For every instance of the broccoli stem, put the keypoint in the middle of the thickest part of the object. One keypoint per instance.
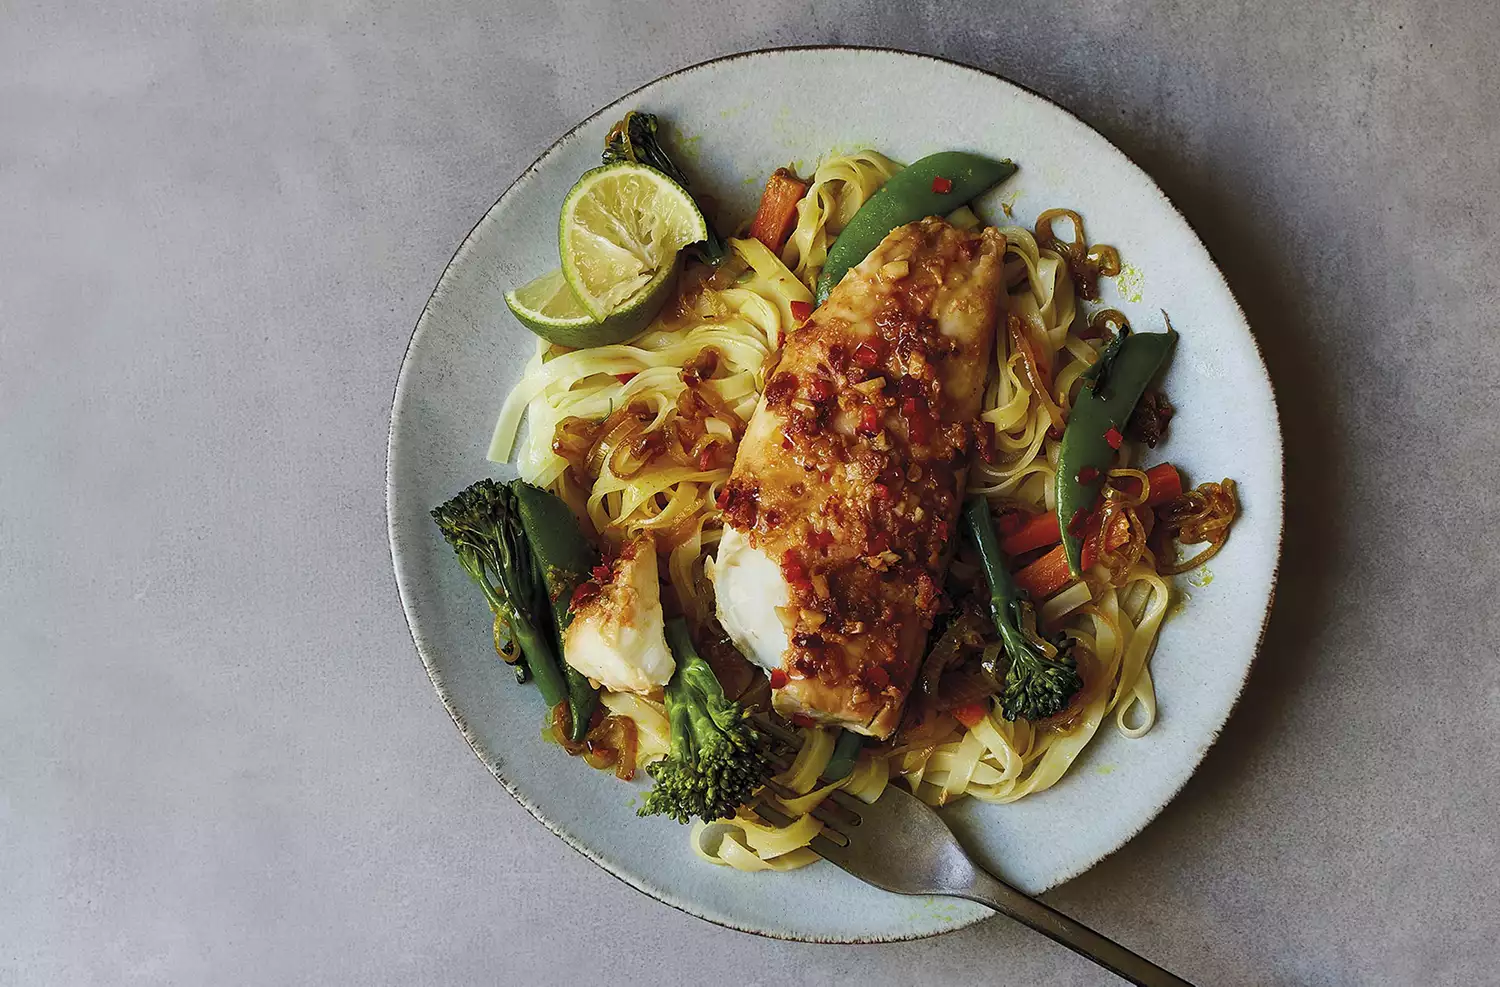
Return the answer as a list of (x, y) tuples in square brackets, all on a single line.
[(845, 753), (540, 657), (1003, 591), (542, 661)]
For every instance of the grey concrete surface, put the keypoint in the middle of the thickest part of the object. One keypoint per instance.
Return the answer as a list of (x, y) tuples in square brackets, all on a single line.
[(220, 760)]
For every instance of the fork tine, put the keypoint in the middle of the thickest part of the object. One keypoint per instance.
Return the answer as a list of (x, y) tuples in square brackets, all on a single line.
[(837, 816), (821, 845), (850, 806), (779, 761), (776, 730), (850, 803)]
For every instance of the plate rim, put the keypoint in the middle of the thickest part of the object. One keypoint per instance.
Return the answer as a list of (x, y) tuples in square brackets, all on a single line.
[(401, 383)]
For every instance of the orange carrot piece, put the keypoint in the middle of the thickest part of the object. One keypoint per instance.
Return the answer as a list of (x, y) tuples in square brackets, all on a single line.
[(1037, 531), (1046, 575), (1049, 573), (971, 713), (1166, 484), (778, 209)]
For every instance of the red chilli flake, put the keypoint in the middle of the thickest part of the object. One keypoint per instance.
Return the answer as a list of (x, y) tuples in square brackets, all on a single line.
[(1113, 437), (866, 355), (583, 594), (722, 500), (706, 458), (801, 310), (820, 390), (1078, 523), (1087, 474), (880, 491), (778, 679), (625, 378), (803, 720), (941, 185), (869, 420), (600, 573), (878, 677), (794, 571)]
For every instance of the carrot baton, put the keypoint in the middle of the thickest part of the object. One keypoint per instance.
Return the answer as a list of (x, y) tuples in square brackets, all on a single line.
[(777, 215)]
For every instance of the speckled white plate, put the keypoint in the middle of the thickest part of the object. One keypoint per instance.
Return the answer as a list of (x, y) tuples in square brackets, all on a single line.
[(736, 119)]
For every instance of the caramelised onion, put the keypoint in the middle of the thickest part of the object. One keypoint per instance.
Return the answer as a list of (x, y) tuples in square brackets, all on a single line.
[(1123, 523), (1038, 375), (1201, 515), (703, 401), (611, 741), (1085, 263), (617, 431), (740, 680), (572, 440), (612, 744), (505, 644), (1106, 323), (635, 453), (700, 367), (679, 531), (562, 726), (922, 729), (962, 640)]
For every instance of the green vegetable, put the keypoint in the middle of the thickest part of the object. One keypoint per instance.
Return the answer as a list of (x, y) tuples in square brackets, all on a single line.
[(717, 759), (907, 197), (634, 139), (1111, 389), (563, 558), (845, 752), (484, 527), (1034, 685)]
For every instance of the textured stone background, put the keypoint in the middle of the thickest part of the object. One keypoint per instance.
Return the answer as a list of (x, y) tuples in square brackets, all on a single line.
[(220, 760)]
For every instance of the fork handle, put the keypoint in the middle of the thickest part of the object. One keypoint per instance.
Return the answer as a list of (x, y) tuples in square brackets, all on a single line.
[(988, 890)]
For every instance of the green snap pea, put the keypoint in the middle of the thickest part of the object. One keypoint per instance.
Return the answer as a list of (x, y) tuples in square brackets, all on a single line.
[(1086, 453), (911, 194), (563, 558)]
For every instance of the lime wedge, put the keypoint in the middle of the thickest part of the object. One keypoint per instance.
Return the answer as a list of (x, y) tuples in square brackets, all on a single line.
[(547, 303), (622, 226), (548, 307)]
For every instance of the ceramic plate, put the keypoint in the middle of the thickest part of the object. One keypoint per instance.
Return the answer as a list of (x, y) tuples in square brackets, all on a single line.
[(733, 121)]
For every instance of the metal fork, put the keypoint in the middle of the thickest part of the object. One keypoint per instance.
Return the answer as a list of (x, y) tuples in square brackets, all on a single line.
[(900, 844)]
